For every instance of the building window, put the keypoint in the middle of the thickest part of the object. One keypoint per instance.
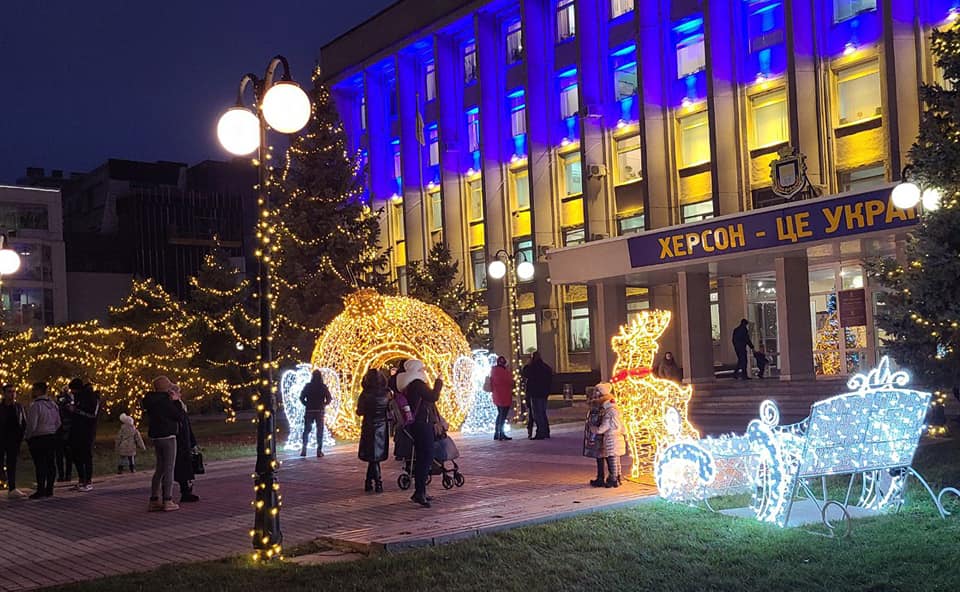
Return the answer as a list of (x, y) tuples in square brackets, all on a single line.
[(769, 121), (625, 81), (473, 129), (470, 63), (694, 212), (514, 42), (528, 332), (478, 261), (620, 7), (574, 236), (523, 250), (578, 321), (396, 217), (694, 139), (862, 178), (566, 20), (397, 169), (436, 212), (430, 79), (23, 217), (433, 141), (521, 190), (569, 100), (631, 224), (765, 25), (691, 57), (363, 112), (572, 179), (475, 193), (518, 114), (858, 93), (628, 160), (844, 9)]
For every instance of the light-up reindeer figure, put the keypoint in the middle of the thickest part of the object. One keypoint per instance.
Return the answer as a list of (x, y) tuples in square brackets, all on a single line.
[(643, 398)]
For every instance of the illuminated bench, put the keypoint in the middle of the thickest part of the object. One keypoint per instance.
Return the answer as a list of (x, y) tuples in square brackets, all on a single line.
[(870, 433)]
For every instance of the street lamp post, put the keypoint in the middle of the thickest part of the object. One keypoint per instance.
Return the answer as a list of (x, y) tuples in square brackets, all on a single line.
[(908, 194), (284, 107), (505, 266)]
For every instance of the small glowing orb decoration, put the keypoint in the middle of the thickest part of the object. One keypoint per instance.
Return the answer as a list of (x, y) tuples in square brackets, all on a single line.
[(375, 330), (291, 385), (642, 397), (482, 417)]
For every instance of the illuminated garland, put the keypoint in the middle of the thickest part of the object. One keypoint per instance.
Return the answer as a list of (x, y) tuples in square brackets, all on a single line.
[(482, 417)]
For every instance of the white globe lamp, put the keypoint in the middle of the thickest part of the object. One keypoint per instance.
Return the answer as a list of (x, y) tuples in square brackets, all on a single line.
[(525, 270), (239, 131), (930, 199), (497, 269), (9, 261), (286, 107), (905, 195)]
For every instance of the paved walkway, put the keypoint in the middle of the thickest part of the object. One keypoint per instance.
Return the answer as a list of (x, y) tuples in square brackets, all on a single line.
[(78, 536)]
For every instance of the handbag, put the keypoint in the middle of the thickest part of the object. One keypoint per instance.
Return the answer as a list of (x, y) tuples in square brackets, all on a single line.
[(197, 459), (487, 385)]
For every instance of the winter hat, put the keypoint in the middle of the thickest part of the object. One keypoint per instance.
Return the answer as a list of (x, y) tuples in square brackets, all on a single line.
[(604, 392), (124, 418), (412, 370)]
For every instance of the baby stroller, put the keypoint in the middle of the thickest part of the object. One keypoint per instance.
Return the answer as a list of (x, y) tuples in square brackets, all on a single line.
[(444, 454)]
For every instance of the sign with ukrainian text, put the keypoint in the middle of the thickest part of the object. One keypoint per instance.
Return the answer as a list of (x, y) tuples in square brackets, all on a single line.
[(777, 227)]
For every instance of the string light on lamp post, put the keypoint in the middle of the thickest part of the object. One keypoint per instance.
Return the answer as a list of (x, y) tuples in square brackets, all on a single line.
[(283, 106), (908, 194), (505, 266)]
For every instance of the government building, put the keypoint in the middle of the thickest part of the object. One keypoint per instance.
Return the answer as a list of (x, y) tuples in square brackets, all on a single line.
[(719, 159)]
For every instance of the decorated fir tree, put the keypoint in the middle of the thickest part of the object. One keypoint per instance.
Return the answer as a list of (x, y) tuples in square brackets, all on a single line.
[(435, 281), (326, 237), (921, 315), (224, 327)]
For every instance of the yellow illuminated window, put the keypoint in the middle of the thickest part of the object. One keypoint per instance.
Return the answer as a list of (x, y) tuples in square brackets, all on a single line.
[(475, 195), (436, 211), (694, 139), (858, 93), (769, 112), (628, 160), (572, 178), (396, 218)]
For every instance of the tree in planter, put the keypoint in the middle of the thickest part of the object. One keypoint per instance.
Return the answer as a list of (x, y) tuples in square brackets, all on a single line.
[(435, 281), (326, 239), (223, 327), (921, 312)]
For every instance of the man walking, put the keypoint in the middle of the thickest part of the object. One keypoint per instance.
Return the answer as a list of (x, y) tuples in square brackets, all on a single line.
[(315, 397), (13, 422), (163, 410), (741, 340), (538, 377), (43, 421)]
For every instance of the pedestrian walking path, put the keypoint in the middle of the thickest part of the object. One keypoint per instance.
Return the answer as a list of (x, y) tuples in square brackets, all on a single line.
[(78, 536)]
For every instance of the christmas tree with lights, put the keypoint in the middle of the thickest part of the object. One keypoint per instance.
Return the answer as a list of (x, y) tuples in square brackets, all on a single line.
[(921, 312), (326, 237), (434, 281)]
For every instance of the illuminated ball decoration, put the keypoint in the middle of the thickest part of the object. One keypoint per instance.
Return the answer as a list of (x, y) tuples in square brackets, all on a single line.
[(642, 397), (375, 330), (497, 269), (9, 261), (239, 131)]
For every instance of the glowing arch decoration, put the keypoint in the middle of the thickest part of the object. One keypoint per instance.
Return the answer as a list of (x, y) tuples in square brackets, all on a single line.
[(291, 385), (642, 397), (482, 417), (374, 330)]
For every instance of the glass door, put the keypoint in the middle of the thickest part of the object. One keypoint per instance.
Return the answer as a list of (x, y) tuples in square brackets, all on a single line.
[(762, 314)]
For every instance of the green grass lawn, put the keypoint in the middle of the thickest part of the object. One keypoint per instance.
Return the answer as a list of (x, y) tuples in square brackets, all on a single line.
[(656, 546)]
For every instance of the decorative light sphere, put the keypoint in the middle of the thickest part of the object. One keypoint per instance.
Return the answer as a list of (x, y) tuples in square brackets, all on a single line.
[(525, 270), (497, 269), (286, 107), (239, 131), (930, 199), (9, 261), (905, 195), (239, 346)]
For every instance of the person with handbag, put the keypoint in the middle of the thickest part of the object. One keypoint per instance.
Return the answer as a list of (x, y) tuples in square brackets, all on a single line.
[(162, 409), (412, 382), (187, 451)]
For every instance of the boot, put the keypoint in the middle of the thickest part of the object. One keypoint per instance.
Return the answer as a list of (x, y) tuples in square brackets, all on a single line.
[(598, 482), (187, 496), (377, 480), (368, 485), (303, 451), (378, 486)]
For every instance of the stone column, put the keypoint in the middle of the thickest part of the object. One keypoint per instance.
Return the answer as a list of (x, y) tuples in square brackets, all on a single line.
[(802, 87), (664, 297), (610, 313), (731, 293), (411, 159), (696, 344), (793, 317)]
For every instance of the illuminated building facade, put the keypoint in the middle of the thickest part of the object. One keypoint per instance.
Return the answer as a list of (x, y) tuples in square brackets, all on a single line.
[(588, 134)]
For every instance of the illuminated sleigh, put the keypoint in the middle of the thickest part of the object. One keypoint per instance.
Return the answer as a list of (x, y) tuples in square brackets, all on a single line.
[(869, 434)]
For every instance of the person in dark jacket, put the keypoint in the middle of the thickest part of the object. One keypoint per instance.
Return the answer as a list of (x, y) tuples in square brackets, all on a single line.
[(667, 369), (374, 431), (163, 410), (186, 445), (83, 431), (412, 382), (62, 454), (538, 377), (315, 397), (13, 423), (741, 340)]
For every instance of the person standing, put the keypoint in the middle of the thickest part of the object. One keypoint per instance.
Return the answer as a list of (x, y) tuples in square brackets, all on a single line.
[(611, 429), (501, 387), (374, 430), (741, 340), (183, 472), (162, 408), (667, 368), (13, 423), (83, 431), (62, 454), (593, 442), (128, 441), (43, 421), (539, 379), (412, 382), (315, 397)]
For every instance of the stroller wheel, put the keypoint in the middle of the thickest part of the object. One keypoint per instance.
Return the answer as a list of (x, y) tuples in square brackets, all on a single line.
[(458, 479), (447, 482), (403, 481)]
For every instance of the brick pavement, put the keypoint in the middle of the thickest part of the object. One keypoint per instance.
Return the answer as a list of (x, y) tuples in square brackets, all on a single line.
[(78, 536)]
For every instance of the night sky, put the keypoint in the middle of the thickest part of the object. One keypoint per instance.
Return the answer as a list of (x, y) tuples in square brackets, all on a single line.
[(83, 81)]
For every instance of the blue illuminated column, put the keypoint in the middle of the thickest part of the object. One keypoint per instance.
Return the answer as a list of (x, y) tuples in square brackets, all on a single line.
[(411, 157), (655, 50), (728, 194), (802, 85), (381, 180), (449, 101), (902, 79)]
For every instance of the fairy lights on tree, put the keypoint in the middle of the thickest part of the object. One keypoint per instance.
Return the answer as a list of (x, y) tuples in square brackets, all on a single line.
[(434, 280)]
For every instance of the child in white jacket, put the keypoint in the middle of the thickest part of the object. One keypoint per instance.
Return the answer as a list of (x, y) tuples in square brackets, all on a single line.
[(128, 440), (612, 429)]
